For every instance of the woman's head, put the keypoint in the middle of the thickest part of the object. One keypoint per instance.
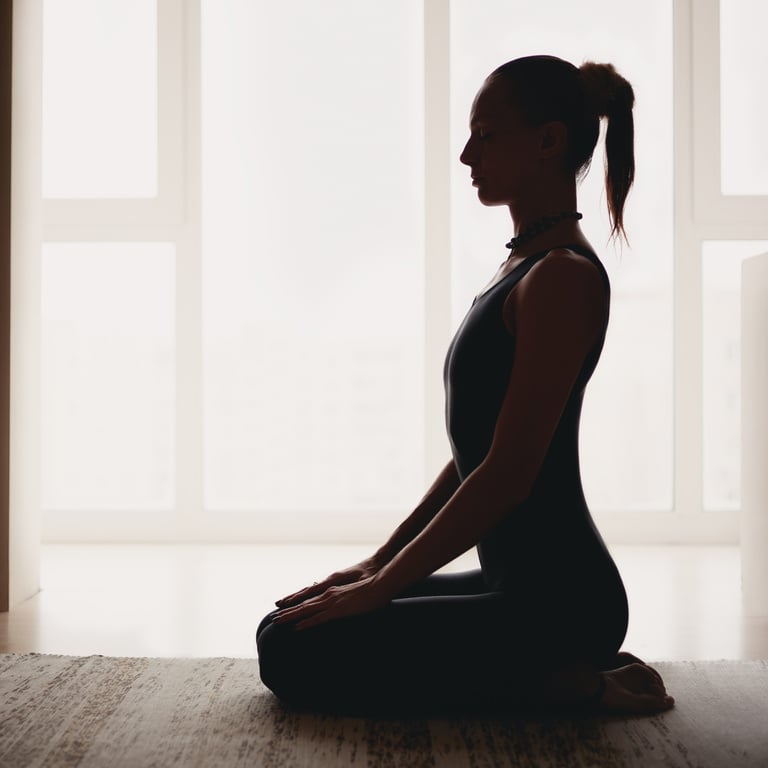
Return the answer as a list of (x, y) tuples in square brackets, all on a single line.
[(557, 106)]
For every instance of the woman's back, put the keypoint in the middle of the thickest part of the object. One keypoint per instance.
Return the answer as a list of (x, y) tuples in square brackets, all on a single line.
[(553, 529)]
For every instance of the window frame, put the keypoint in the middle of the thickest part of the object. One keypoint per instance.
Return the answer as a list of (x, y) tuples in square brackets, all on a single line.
[(172, 216), (701, 213), (715, 212)]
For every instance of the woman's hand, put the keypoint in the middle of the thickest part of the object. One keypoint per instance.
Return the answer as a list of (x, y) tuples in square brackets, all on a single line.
[(336, 602), (363, 570)]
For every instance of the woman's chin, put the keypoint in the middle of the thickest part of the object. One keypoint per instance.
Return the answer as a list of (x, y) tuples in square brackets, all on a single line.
[(487, 198)]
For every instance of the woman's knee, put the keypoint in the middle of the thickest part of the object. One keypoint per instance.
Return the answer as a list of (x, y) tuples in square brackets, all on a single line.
[(286, 661), (265, 622), (275, 643)]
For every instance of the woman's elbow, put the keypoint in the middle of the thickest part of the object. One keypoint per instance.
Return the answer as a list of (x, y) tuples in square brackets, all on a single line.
[(507, 482)]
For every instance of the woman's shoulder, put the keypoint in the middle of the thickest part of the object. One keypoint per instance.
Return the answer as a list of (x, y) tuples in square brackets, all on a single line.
[(567, 269), (562, 290), (565, 288)]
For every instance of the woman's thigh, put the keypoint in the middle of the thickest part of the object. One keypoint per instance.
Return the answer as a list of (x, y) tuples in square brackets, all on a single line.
[(438, 584), (428, 651), (444, 643)]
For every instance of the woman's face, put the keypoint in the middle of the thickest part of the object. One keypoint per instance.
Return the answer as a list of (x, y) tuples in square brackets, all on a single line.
[(502, 149)]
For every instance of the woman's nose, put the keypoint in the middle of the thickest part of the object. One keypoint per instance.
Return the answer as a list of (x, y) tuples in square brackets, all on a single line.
[(467, 154)]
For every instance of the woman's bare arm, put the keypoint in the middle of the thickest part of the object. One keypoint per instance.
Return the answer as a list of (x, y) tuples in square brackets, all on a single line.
[(560, 310), (434, 500)]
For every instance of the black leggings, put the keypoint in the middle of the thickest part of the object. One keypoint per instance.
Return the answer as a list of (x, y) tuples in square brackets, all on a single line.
[(446, 644)]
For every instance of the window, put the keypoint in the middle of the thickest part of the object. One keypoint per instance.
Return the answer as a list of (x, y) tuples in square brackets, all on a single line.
[(99, 99), (108, 350), (312, 255), (743, 151), (244, 333)]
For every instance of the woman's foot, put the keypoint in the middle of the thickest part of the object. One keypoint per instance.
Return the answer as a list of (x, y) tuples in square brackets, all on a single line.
[(622, 659), (626, 685), (635, 689)]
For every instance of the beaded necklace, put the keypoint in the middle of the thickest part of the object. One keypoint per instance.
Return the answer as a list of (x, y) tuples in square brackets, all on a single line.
[(542, 225)]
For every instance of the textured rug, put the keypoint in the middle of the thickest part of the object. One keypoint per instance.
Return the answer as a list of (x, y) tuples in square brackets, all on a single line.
[(98, 711)]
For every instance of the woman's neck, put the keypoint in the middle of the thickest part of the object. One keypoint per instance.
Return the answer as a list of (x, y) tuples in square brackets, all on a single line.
[(548, 200), (545, 200), (565, 233)]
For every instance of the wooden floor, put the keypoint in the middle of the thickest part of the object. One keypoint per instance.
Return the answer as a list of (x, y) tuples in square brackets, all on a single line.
[(206, 601)]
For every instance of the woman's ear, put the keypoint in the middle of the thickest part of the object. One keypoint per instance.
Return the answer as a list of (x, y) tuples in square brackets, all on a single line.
[(554, 138)]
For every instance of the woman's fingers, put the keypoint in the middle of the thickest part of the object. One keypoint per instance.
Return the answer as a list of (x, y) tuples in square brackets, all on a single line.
[(316, 610), (324, 608), (297, 612), (318, 588), (337, 601), (302, 594), (305, 594), (308, 606)]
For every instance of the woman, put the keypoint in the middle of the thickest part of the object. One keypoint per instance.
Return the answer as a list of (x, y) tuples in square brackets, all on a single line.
[(541, 623)]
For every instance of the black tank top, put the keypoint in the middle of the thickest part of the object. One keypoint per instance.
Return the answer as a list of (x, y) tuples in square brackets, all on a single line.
[(552, 530)]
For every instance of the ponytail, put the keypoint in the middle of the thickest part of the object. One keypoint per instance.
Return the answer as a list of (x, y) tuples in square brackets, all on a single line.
[(609, 95), (548, 88)]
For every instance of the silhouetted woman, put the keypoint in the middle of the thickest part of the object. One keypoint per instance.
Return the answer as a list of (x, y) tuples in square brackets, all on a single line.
[(541, 622)]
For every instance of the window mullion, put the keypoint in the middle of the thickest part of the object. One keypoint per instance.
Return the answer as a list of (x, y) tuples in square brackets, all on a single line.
[(437, 233), (185, 170), (688, 459)]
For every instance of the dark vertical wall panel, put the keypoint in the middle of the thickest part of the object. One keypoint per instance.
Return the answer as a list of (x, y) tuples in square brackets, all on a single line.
[(6, 7)]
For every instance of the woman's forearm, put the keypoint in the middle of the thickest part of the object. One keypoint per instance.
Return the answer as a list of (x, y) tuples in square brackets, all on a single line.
[(434, 500), (480, 503)]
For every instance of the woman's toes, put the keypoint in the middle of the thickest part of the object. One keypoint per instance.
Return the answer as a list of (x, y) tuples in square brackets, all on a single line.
[(636, 689)]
